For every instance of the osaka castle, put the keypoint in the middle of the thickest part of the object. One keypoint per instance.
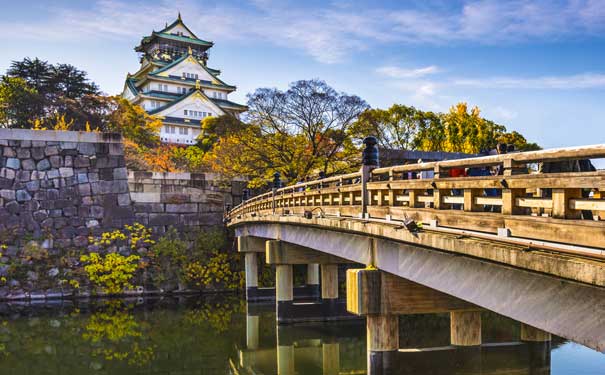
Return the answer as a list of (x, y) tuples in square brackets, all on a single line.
[(175, 83)]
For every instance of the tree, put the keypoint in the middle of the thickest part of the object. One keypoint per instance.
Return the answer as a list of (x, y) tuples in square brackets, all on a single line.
[(395, 128), (61, 89), (519, 141), (133, 122), (213, 128), (20, 104), (298, 132)]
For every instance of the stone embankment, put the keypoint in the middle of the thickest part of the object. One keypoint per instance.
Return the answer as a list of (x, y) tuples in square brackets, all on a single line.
[(61, 187)]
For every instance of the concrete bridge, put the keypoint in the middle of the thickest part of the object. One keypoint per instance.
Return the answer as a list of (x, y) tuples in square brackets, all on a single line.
[(526, 245)]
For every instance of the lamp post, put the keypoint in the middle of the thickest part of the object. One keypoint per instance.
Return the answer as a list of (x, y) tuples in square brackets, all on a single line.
[(369, 161)]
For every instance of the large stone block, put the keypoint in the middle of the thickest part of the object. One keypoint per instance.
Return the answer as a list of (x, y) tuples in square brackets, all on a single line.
[(81, 162), (68, 145), (22, 196), (181, 208), (56, 161), (9, 152), (37, 175), (37, 153), (86, 148), (120, 174), (7, 194), (23, 153), (12, 207), (28, 164), (124, 199), (148, 207), (23, 176), (7, 173), (51, 150), (33, 186), (163, 219), (84, 189), (13, 163), (66, 172), (43, 165)]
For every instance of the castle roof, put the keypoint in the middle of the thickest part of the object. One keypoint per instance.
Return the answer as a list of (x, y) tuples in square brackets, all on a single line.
[(166, 34), (220, 103)]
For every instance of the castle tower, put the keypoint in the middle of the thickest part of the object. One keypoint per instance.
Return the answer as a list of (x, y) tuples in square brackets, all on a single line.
[(175, 84)]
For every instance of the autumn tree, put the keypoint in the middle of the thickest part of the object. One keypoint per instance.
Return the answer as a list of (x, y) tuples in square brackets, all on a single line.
[(213, 128), (298, 132), (458, 130)]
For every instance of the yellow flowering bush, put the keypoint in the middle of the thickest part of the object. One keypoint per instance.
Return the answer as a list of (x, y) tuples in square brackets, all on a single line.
[(140, 235), (111, 272), (136, 235), (215, 270)]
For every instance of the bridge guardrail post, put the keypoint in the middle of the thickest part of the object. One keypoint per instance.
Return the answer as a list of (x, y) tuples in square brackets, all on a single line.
[(370, 161)]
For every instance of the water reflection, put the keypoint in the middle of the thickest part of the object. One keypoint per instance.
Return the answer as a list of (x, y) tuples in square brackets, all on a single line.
[(221, 335), (340, 348)]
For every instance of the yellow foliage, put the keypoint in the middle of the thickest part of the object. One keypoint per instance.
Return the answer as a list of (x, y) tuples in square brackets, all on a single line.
[(215, 270), (111, 272)]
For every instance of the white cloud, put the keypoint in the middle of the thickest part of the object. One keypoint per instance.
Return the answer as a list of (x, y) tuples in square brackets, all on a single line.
[(329, 33), (397, 72)]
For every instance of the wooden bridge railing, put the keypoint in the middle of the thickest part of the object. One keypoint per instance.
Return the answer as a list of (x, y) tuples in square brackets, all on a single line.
[(544, 206)]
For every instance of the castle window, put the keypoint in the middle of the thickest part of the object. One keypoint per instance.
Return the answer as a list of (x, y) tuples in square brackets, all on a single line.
[(185, 112)]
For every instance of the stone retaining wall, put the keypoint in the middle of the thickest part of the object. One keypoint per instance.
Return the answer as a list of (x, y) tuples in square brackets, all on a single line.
[(185, 201), (61, 186)]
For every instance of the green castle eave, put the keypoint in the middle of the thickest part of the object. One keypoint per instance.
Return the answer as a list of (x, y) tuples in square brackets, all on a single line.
[(161, 63), (219, 102), (179, 60)]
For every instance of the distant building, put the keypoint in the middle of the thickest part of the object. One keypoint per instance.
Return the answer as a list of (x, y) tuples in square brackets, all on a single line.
[(175, 84)]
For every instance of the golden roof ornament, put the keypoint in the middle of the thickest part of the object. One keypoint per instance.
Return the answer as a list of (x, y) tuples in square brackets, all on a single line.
[(189, 51), (197, 84)]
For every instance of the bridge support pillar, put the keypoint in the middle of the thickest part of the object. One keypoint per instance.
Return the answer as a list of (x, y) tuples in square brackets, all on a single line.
[(251, 268), (284, 255), (313, 279), (382, 343), (465, 328), (329, 282), (284, 290)]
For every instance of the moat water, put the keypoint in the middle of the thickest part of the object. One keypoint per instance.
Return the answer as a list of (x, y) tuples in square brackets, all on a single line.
[(221, 335)]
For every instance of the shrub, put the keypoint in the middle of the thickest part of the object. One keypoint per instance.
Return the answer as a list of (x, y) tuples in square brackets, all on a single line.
[(111, 272)]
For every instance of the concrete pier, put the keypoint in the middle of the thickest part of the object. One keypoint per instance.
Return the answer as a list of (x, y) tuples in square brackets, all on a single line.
[(465, 328)]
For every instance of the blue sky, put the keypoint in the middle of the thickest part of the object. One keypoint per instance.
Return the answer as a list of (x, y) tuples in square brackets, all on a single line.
[(535, 66)]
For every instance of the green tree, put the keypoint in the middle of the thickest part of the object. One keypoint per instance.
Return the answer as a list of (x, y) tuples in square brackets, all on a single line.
[(61, 89), (20, 104), (395, 128)]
